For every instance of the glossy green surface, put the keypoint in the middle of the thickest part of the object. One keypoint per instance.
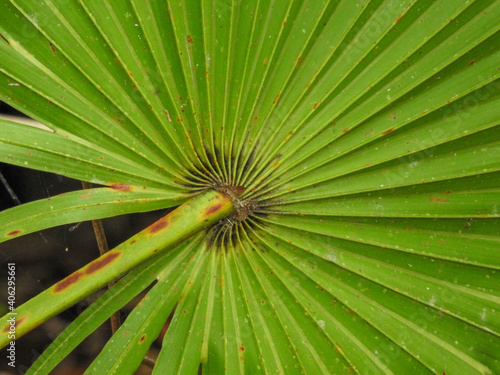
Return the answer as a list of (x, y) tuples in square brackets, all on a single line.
[(363, 137)]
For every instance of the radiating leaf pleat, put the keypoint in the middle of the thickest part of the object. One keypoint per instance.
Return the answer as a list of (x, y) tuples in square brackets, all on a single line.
[(82, 205), (387, 311), (74, 157), (453, 243), (359, 343), (364, 136), (475, 305), (97, 313), (145, 322), (277, 355), (76, 96), (181, 345)]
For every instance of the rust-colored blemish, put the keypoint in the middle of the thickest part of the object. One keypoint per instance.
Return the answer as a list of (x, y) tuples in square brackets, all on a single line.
[(14, 232), (17, 323), (283, 23), (316, 105), (392, 116), (121, 187), (399, 18), (439, 199), (190, 39), (133, 242), (159, 225), (86, 195), (345, 130), (67, 282), (448, 192), (287, 138), (53, 49), (277, 98), (141, 340), (117, 119), (102, 262), (242, 347), (473, 61), (213, 209), (388, 131)]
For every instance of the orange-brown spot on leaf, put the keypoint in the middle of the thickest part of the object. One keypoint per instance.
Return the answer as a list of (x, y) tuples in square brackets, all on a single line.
[(213, 209), (29, 153), (287, 138), (86, 195), (121, 187), (369, 131), (316, 105), (67, 282), (439, 200), (388, 131), (53, 49), (132, 242), (392, 116), (448, 192), (102, 262), (14, 232), (141, 340), (117, 119), (158, 226), (345, 130), (277, 98), (472, 62), (15, 324), (242, 347), (189, 39)]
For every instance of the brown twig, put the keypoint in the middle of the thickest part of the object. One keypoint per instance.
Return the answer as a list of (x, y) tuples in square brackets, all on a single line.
[(102, 244), (150, 362)]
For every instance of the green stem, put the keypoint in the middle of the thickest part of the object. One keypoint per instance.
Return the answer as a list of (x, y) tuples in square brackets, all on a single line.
[(196, 214)]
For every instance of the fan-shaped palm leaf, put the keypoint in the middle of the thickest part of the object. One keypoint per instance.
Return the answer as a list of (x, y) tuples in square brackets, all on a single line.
[(354, 150)]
